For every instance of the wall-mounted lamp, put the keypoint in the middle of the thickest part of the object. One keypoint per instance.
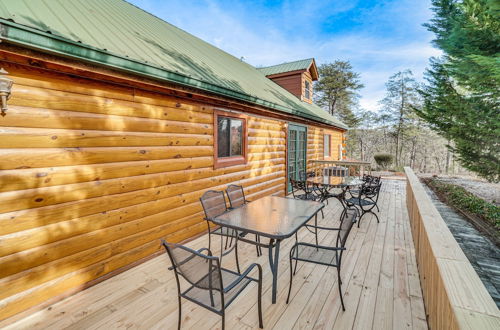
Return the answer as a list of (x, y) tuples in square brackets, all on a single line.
[(5, 90)]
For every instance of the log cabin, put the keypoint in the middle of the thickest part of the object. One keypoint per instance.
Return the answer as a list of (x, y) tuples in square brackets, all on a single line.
[(115, 124)]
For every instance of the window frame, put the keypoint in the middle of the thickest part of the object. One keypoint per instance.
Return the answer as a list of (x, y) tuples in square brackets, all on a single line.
[(329, 145), (307, 90), (221, 162)]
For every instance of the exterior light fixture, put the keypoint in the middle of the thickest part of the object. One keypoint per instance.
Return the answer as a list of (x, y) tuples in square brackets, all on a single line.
[(5, 90)]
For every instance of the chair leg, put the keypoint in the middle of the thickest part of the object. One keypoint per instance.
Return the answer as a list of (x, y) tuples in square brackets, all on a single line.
[(223, 320), (322, 214), (362, 214), (296, 262), (376, 216), (209, 237), (340, 288), (316, 228), (259, 301), (180, 314), (256, 246), (236, 254), (291, 279), (378, 210)]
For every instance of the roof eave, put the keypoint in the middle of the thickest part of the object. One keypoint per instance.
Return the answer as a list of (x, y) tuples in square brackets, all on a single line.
[(39, 40)]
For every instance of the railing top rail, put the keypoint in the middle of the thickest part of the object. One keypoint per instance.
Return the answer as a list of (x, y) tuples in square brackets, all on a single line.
[(471, 304), (344, 162)]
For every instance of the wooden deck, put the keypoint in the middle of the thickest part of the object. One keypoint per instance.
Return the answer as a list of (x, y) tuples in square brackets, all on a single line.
[(380, 281)]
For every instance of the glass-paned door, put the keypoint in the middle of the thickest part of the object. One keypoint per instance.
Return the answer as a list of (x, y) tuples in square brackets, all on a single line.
[(297, 151)]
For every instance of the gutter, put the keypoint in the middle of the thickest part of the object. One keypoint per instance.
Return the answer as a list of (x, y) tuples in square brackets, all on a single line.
[(35, 39)]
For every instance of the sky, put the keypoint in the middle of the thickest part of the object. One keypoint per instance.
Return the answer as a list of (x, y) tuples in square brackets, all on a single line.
[(379, 38)]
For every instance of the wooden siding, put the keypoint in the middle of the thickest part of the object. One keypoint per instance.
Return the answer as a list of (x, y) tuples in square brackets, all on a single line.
[(291, 83), (335, 143), (94, 174), (315, 144), (454, 296)]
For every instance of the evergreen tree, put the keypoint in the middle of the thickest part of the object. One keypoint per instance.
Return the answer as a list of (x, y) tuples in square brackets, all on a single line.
[(462, 94), (336, 90)]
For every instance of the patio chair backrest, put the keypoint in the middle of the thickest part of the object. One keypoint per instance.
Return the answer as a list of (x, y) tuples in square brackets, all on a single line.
[(371, 179), (370, 191), (236, 195), (200, 270), (298, 184), (348, 220), (303, 175), (214, 203)]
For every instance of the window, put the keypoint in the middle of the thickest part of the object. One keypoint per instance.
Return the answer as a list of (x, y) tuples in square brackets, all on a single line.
[(307, 90), (326, 145), (230, 139)]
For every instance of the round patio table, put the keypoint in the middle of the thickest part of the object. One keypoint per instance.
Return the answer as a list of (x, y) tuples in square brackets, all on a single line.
[(324, 183), (335, 181)]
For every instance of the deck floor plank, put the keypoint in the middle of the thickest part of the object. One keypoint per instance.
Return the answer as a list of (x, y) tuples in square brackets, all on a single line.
[(380, 283)]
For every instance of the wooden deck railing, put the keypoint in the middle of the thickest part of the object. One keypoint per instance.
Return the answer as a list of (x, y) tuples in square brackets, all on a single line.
[(454, 296), (318, 166)]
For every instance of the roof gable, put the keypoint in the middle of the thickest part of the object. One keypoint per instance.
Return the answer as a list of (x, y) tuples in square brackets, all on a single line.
[(126, 37)]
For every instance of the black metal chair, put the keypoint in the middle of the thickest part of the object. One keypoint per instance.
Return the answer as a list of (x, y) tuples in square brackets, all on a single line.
[(214, 204), (365, 200), (208, 284), (236, 197), (324, 255), (369, 180), (301, 190), (308, 194)]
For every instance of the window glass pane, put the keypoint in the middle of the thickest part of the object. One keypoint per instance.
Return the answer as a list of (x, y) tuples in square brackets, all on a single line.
[(236, 137), (326, 145), (222, 137), (307, 90)]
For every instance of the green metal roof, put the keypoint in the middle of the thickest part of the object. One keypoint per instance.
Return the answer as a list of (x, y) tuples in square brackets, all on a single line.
[(286, 67), (117, 34)]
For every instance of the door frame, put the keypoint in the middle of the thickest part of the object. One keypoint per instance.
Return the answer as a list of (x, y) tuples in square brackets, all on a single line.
[(296, 127)]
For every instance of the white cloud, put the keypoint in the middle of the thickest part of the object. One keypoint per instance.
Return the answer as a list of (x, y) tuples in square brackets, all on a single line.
[(285, 34)]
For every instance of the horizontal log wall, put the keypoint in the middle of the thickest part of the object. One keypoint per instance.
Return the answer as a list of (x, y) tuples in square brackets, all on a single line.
[(315, 144), (454, 296), (93, 175), (335, 143)]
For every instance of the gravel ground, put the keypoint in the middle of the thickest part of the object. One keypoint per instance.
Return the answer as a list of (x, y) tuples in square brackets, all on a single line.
[(488, 191)]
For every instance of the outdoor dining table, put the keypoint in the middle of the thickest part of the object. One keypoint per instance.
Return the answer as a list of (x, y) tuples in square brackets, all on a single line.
[(276, 218), (325, 183), (331, 181)]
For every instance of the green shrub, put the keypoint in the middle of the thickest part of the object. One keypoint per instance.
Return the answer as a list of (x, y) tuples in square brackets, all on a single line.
[(462, 199), (383, 160)]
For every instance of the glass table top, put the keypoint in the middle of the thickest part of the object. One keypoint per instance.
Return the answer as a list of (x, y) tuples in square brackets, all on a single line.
[(270, 216), (336, 181)]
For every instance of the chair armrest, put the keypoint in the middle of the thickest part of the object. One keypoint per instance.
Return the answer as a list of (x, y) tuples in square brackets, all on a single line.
[(209, 253), (244, 275), (321, 227), (331, 248), (207, 256)]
